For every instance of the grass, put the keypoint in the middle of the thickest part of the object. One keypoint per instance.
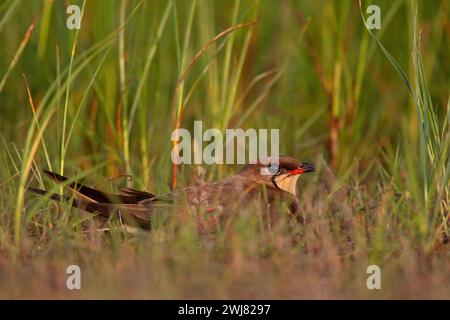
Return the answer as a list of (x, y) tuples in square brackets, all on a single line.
[(371, 108)]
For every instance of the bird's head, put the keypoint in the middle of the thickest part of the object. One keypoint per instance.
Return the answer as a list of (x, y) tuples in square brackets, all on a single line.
[(282, 174)]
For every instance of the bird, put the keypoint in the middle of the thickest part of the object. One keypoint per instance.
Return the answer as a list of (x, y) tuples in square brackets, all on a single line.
[(266, 181)]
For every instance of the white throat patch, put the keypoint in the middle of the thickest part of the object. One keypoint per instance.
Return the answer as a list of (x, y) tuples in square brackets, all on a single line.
[(287, 182)]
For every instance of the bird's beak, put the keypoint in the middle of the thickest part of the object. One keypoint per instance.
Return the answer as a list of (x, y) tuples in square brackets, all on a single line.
[(303, 168)]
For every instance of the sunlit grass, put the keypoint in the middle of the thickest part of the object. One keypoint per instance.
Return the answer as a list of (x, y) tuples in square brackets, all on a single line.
[(100, 103)]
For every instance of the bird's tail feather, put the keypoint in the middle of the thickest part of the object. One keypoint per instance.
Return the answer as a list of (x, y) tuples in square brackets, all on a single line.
[(131, 213), (56, 197), (91, 207)]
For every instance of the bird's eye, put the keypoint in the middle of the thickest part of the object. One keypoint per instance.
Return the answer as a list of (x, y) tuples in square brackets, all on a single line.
[(274, 168), (271, 170)]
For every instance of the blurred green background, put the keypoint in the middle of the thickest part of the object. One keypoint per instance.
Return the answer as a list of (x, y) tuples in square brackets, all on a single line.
[(107, 97), (295, 50)]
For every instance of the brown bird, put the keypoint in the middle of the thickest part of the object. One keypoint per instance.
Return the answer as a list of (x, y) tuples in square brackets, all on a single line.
[(271, 182)]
